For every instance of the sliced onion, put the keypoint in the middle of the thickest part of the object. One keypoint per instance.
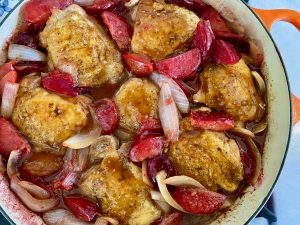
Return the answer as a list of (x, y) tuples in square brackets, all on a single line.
[(260, 127), (243, 131), (133, 13), (110, 220), (183, 181), (258, 160), (156, 196), (84, 2), (8, 99), (35, 190), (164, 206), (62, 217), (179, 96), (12, 164), (131, 3), (260, 81), (80, 141), (32, 203), (25, 53), (204, 109), (145, 174), (101, 221), (82, 159), (70, 179), (168, 113), (160, 177)]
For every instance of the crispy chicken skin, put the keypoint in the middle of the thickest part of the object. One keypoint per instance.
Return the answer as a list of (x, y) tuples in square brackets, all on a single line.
[(48, 119), (137, 98), (209, 157), (117, 185), (73, 38), (230, 88), (161, 28)]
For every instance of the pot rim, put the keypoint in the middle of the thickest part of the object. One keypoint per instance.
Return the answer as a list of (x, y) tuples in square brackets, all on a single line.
[(6, 216)]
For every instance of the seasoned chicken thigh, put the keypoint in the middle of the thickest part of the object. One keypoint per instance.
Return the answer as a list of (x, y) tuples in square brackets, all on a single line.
[(230, 88), (117, 185), (48, 119), (209, 157), (73, 38), (160, 28), (136, 99)]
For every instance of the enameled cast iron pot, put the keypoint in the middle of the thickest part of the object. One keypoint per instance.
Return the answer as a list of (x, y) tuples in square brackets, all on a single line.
[(255, 23)]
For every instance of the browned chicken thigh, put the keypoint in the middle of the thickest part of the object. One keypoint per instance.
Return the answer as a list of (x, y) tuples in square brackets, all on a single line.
[(230, 88), (161, 28)]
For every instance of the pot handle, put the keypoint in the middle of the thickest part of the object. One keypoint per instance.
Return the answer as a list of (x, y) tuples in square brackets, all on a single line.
[(270, 16), (274, 15)]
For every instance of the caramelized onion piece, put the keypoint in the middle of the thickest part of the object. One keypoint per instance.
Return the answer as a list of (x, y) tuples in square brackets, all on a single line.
[(156, 196), (80, 141), (35, 190), (110, 220), (243, 131), (260, 81), (182, 181), (8, 99), (32, 203), (62, 217), (25, 53), (160, 177), (258, 161)]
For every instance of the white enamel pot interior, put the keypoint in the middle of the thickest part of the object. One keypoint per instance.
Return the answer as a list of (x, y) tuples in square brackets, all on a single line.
[(279, 113)]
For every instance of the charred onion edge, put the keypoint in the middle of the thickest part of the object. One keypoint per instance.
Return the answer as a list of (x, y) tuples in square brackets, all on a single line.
[(35, 190), (32, 203), (145, 174), (243, 131), (160, 177), (260, 81), (183, 181), (258, 161)]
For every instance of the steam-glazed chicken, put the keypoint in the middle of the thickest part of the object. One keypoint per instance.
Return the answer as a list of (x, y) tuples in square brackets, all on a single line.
[(118, 185), (160, 29), (85, 141), (136, 99), (73, 38), (230, 88)]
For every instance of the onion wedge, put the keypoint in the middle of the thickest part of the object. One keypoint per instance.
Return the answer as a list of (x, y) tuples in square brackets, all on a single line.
[(25, 53), (243, 131), (35, 190), (183, 181), (80, 141), (160, 177), (84, 2), (8, 99), (156, 196), (145, 174), (260, 81), (12, 164), (179, 96), (131, 3), (258, 160), (168, 113), (32, 203), (164, 206), (62, 217)]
